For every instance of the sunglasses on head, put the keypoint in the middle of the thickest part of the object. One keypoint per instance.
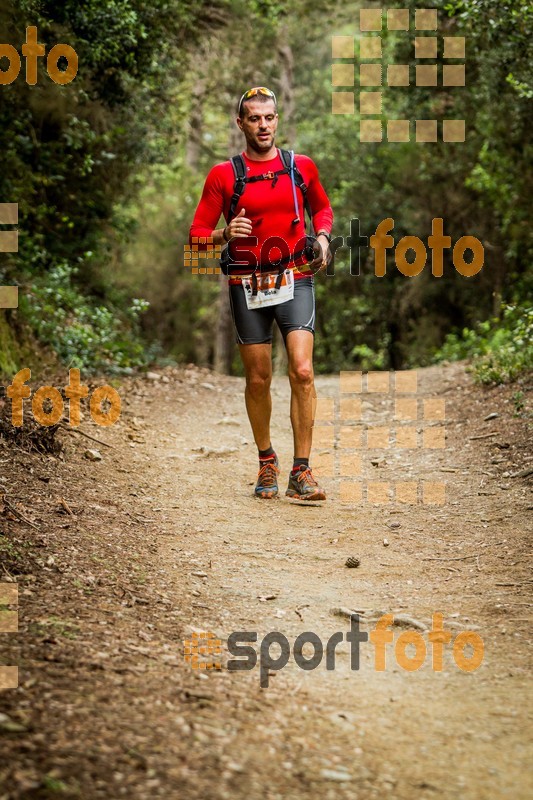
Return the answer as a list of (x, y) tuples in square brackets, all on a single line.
[(256, 90)]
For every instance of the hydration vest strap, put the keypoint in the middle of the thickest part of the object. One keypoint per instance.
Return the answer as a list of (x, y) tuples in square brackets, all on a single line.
[(239, 170), (287, 156)]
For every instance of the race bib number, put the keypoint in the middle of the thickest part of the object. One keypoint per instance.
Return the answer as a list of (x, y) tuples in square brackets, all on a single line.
[(267, 294)]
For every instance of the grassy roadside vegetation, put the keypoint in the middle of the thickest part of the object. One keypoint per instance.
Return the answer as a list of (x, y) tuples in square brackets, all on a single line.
[(501, 350)]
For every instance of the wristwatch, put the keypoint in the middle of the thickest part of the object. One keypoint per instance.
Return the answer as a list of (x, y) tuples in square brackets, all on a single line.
[(326, 234)]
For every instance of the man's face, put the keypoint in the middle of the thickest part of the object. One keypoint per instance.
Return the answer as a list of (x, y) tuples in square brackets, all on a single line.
[(259, 122)]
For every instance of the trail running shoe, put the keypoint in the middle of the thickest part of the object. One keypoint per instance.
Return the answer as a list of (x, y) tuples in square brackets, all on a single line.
[(303, 486), (267, 480)]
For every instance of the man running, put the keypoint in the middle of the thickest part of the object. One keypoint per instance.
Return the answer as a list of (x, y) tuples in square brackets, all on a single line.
[(265, 217)]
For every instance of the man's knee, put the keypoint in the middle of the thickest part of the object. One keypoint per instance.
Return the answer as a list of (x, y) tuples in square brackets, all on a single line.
[(301, 373), (258, 383)]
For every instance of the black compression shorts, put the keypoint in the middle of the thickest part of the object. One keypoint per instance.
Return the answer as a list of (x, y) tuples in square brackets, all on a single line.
[(254, 326)]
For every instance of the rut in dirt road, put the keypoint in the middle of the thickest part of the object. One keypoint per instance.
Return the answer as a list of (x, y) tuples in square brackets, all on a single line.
[(344, 732), (201, 554)]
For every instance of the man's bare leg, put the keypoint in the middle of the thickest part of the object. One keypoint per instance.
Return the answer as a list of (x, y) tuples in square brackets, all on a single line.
[(301, 376), (257, 361), (302, 483)]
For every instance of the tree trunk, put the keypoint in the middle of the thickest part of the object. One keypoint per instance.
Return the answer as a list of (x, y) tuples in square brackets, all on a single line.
[(286, 100), (286, 89), (225, 338), (196, 120)]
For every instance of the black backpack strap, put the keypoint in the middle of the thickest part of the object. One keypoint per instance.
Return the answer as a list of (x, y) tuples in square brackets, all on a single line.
[(239, 185), (279, 279), (239, 170), (268, 176), (298, 179)]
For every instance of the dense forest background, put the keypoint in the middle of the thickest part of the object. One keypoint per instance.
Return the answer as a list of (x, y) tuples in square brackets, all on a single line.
[(107, 172)]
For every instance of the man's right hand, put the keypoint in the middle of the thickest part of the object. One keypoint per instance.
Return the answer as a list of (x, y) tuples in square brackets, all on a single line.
[(239, 226)]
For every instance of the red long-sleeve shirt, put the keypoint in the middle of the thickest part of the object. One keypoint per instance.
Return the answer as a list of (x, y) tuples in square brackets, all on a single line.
[(269, 207)]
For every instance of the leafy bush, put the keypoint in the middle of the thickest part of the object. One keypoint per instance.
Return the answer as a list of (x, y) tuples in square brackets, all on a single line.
[(501, 350), (82, 333)]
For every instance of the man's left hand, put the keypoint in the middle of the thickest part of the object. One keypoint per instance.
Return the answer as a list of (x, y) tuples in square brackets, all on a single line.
[(322, 254)]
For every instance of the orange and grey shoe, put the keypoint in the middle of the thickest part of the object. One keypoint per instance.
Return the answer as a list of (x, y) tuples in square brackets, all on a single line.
[(303, 486), (267, 479)]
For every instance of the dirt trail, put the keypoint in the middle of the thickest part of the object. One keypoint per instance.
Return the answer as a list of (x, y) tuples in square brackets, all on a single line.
[(167, 539)]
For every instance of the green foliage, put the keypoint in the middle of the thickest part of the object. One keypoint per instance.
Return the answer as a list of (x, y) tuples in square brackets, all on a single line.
[(54, 785), (501, 351), (9, 350), (73, 155), (83, 334), (518, 402)]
